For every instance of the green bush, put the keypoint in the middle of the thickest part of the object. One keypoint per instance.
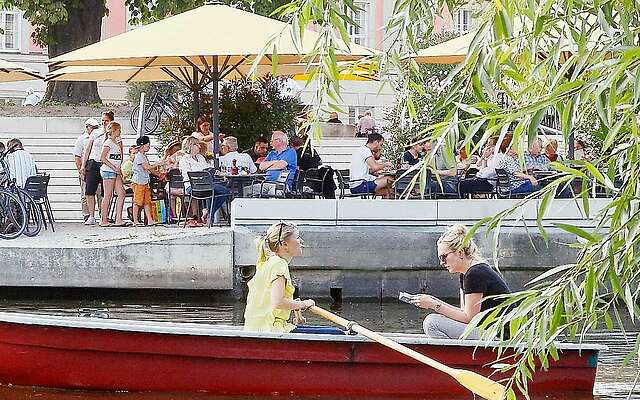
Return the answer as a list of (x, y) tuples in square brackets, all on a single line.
[(248, 109)]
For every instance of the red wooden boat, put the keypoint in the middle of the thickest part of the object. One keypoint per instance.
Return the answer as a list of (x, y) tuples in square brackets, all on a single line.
[(109, 354)]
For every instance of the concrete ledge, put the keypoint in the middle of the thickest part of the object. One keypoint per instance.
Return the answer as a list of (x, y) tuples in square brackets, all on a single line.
[(121, 258), (350, 212)]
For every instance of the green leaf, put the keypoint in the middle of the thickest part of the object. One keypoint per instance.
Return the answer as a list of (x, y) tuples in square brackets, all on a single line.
[(589, 289), (577, 231)]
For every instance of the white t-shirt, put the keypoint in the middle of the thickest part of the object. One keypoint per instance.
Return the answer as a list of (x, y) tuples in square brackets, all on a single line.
[(98, 137), (359, 170), (140, 175), (200, 136), (114, 155), (81, 144), (188, 164), (242, 161)]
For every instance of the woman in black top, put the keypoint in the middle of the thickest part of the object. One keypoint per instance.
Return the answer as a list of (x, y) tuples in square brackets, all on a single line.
[(477, 281)]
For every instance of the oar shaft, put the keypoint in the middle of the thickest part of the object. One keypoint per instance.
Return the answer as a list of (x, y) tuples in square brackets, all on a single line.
[(380, 339)]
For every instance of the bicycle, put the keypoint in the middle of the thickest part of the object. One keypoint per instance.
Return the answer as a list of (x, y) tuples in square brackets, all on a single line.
[(13, 220), (32, 214), (154, 111)]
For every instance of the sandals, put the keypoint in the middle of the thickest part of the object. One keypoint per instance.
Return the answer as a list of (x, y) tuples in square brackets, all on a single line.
[(122, 225)]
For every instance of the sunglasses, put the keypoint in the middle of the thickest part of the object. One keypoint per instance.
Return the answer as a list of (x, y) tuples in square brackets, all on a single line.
[(443, 257)]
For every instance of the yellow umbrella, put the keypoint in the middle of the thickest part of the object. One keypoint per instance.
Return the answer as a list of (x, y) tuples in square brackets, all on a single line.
[(213, 40), (159, 74), (11, 72), (450, 52), (348, 72)]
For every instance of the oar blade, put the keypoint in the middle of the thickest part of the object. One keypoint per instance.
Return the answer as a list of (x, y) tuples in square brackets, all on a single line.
[(480, 385)]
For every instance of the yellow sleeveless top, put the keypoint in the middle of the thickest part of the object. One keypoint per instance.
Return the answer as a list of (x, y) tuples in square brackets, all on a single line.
[(260, 316)]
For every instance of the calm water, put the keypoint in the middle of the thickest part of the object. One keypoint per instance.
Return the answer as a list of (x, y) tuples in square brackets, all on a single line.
[(612, 381)]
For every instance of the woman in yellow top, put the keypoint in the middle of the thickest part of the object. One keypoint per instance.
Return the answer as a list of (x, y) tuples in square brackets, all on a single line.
[(270, 299)]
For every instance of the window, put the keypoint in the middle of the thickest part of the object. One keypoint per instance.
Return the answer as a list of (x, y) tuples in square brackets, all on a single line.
[(355, 112), (463, 21), (358, 34), (10, 24)]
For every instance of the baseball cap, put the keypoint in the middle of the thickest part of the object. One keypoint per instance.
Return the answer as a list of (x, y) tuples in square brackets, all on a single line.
[(92, 122), (142, 140)]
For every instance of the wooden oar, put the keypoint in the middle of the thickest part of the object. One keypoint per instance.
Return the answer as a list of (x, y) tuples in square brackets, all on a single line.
[(478, 384)]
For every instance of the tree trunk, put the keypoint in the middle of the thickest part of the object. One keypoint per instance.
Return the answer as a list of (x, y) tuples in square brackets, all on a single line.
[(83, 27)]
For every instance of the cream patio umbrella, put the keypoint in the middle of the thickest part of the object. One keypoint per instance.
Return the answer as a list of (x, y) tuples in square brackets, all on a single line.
[(450, 52), (212, 40), (11, 72)]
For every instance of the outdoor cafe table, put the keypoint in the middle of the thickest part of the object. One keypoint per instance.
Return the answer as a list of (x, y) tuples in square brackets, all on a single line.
[(236, 183)]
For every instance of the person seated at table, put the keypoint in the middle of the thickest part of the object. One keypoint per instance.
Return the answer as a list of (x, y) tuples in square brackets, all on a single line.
[(203, 131), (281, 158), (535, 159), (333, 118), (477, 282), (259, 150), (242, 160), (194, 161), (485, 179), (446, 171), (308, 158), (551, 149), (412, 154), (579, 150), (520, 182), (363, 166)]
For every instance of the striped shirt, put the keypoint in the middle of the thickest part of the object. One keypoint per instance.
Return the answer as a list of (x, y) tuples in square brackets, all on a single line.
[(21, 166)]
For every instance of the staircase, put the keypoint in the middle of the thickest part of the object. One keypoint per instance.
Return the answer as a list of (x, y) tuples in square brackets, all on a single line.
[(51, 142)]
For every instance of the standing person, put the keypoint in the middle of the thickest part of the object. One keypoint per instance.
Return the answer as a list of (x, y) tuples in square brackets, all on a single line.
[(477, 281), (78, 153), (366, 125), (364, 165), (259, 150), (111, 159), (281, 158), (127, 166), (203, 131), (140, 181), (242, 160), (270, 299), (19, 162), (90, 171)]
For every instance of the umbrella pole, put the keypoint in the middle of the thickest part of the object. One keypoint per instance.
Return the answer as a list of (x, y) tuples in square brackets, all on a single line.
[(215, 114), (196, 96)]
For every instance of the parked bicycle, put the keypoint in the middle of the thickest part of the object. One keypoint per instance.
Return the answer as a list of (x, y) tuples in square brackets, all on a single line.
[(19, 212), (157, 110)]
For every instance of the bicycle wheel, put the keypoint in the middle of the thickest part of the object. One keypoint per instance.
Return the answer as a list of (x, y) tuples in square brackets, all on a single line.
[(13, 216), (151, 119), (34, 215)]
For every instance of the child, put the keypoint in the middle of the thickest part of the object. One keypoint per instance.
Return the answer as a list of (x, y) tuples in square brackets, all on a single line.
[(140, 181), (111, 158)]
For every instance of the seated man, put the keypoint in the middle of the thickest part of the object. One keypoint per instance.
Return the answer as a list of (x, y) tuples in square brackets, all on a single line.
[(535, 159), (242, 160), (507, 159), (259, 150), (281, 158), (363, 166), (333, 118), (446, 171), (19, 162)]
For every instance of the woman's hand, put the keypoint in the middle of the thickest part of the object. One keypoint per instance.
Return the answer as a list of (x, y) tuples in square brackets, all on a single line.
[(425, 301), (298, 318), (308, 303)]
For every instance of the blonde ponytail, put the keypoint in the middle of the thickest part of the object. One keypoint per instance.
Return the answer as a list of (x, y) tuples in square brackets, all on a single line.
[(278, 233)]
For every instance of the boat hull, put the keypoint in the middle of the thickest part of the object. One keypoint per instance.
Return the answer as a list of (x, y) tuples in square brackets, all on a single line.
[(104, 358)]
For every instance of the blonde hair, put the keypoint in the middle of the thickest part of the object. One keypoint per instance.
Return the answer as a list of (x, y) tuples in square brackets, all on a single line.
[(454, 238), (277, 234), (112, 127), (188, 142)]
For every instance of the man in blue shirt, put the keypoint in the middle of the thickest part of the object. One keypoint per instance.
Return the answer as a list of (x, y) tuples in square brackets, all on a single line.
[(280, 158)]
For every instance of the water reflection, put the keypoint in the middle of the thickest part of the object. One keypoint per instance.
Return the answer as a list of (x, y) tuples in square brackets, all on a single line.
[(612, 381)]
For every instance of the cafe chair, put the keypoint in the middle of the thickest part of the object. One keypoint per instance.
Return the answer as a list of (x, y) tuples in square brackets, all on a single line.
[(344, 185)]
